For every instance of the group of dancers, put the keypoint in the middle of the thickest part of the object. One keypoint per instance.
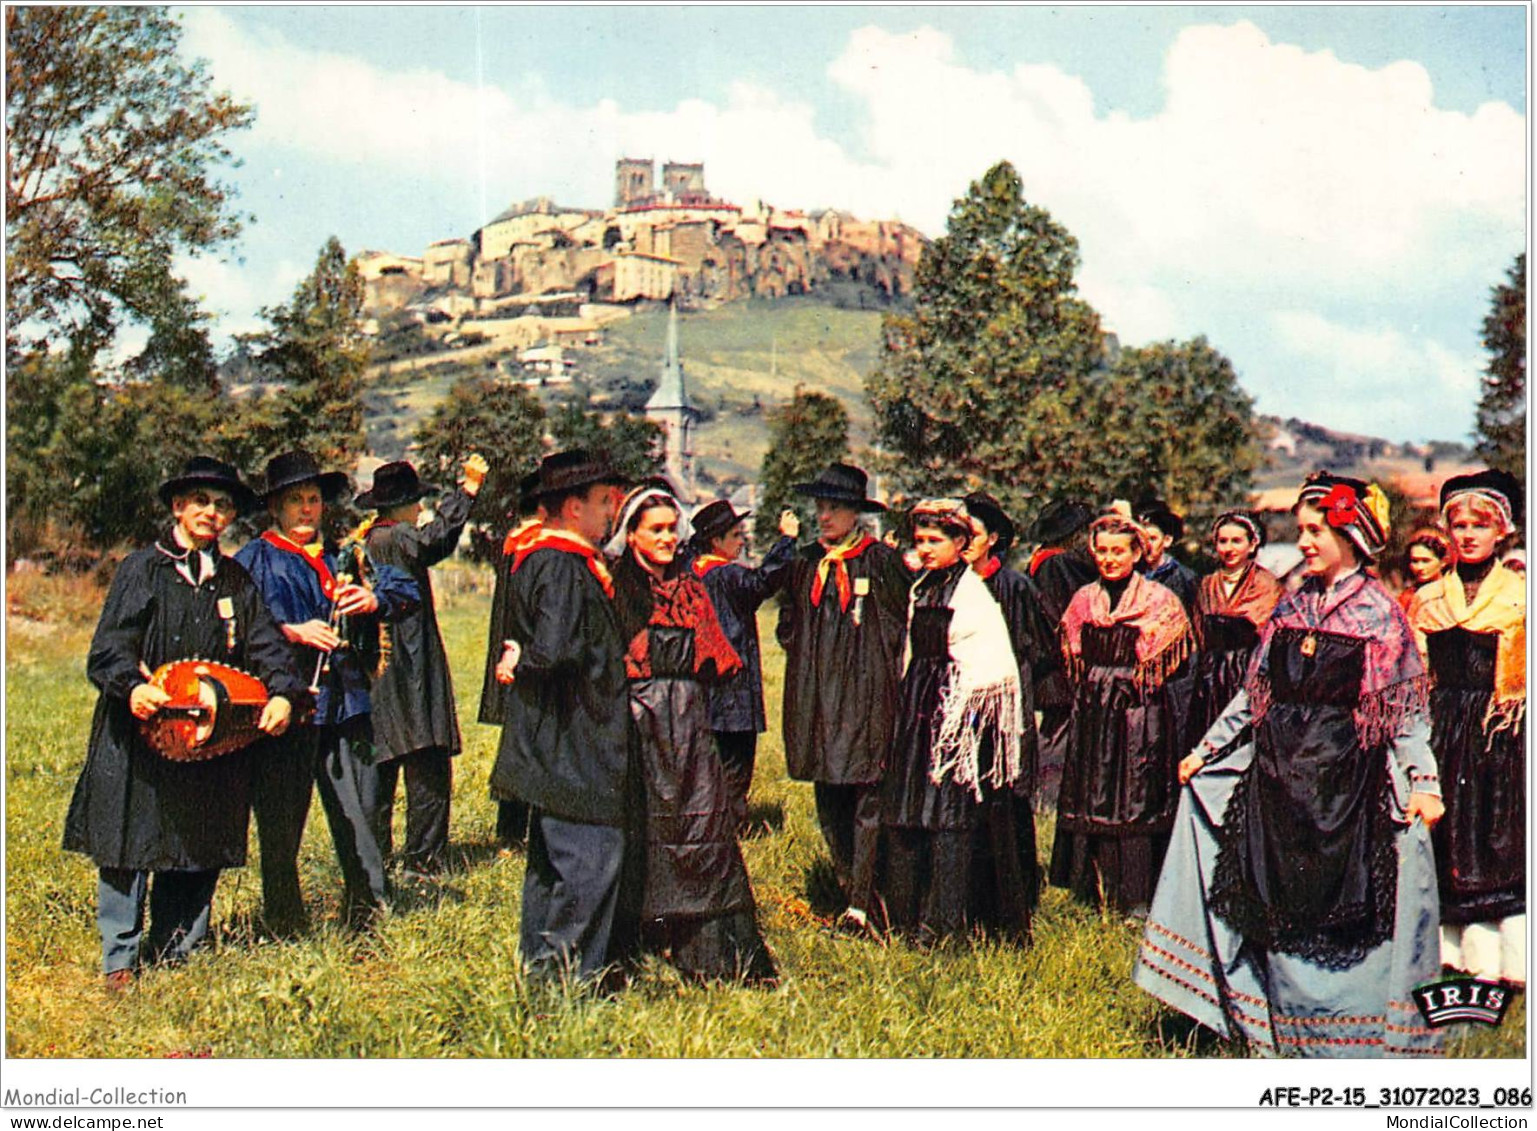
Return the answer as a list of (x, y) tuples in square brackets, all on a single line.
[(1245, 767)]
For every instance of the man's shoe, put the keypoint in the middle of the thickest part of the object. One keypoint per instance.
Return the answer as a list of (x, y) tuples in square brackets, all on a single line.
[(119, 981)]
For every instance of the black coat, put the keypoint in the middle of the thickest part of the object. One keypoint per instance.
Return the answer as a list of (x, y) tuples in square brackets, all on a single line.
[(565, 733), (413, 700), (1176, 575), (1033, 637), (1056, 580), (736, 704), (133, 808), (843, 669)]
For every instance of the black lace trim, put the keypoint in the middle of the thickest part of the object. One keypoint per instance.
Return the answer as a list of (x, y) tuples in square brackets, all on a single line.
[(1324, 944)]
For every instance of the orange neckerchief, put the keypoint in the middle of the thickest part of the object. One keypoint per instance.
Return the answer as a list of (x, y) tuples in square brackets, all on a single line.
[(989, 567), (520, 536), (311, 555), (569, 543), (836, 559), (704, 563), (1038, 559)]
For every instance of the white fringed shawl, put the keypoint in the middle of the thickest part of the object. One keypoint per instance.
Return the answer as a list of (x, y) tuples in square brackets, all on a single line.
[(982, 695)]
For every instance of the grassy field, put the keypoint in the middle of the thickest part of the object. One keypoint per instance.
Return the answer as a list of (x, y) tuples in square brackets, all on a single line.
[(439, 978)]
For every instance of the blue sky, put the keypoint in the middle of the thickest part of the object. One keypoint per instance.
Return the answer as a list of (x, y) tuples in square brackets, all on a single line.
[(1326, 193)]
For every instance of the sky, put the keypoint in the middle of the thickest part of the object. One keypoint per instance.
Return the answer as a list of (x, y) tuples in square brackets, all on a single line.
[(1327, 194)]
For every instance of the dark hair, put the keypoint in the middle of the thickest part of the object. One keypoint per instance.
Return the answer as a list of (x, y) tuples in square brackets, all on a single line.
[(648, 503), (950, 527)]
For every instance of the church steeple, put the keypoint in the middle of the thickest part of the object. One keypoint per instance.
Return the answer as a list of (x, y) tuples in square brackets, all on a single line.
[(670, 407)]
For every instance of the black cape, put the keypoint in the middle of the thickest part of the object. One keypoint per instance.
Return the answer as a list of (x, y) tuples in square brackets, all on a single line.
[(843, 669), (565, 738), (736, 591), (413, 700), (133, 808)]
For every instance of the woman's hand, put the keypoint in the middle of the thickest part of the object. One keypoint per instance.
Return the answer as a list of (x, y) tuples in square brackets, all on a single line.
[(1426, 806), (1189, 766)]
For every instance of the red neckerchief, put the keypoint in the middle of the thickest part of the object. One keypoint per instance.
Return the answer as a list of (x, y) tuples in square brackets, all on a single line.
[(1039, 558), (990, 567), (315, 559), (835, 560), (548, 539), (520, 536), (381, 523), (704, 563)]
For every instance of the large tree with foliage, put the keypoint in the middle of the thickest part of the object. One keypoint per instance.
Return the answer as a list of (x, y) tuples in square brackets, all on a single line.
[(111, 144), (806, 433), (635, 444), (504, 423), (985, 381), (1181, 428), (314, 354), (1502, 408)]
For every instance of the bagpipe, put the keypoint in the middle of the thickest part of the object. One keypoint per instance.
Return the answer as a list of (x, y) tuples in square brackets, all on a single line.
[(213, 710), (367, 638)]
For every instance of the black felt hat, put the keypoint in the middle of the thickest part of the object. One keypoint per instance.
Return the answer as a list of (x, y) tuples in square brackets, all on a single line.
[(571, 471), (1501, 483), (292, 468), (990, 511), (205, 471), (395, 485), (1154, 511), (1059, 521), (842, 483), (714, 519)]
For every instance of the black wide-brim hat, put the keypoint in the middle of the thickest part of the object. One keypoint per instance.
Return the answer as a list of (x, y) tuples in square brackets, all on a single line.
[(1498, 482), (1059, 521), (1150, 510), (990, 511), (293, 468), (841, 483), (573, 470), (395, 485), (205, 471), (716, 518)]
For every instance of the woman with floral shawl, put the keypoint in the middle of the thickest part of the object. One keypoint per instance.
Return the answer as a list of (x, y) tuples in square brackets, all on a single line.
[(1125, 638), (1231, 609), (946, 797), (1471, 627), (1297, 907), (698, 907)]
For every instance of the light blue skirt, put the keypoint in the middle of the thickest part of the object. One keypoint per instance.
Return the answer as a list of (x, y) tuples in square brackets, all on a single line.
[(1281, 1004)]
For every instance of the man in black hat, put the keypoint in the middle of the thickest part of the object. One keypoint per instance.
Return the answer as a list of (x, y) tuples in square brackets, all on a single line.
[(415, 725), (842, 623), (566, 716), (160, 830), (330, 614), (737, 591), (1059, 568), (1165, 528)]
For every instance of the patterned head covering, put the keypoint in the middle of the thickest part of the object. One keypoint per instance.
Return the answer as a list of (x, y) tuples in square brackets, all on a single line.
[(647, 495), (1117, 522), (949, 515), (1356, 509), (1500, 490)]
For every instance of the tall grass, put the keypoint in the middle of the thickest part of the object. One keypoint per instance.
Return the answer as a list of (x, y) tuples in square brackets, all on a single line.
[(440, 976)]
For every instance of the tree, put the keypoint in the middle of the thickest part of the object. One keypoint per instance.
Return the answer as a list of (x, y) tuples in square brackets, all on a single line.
[(315, 352), (504, 423), (1174, 422), (1501, 431), (807, 433), (635, 445), (111, 140), (988, 380)]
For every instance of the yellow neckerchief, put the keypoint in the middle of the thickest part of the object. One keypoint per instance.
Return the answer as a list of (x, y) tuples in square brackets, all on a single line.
[(704, 563), (851, 547), (1499, 607)]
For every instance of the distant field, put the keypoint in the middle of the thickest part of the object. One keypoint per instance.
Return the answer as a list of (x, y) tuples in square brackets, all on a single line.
[(440, 978)]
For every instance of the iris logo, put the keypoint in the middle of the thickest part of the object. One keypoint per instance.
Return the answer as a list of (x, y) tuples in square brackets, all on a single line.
[(1462, 999)]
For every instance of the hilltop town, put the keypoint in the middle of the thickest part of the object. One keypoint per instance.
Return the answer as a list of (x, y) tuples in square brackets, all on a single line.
[(661, 239)]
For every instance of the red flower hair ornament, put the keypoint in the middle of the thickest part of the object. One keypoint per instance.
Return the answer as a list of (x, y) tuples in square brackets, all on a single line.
[(1339, 505)]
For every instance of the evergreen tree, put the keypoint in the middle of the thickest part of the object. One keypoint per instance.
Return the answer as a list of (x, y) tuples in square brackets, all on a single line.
[(807, 433), (1501, 430), (635, 444), (988, 380)]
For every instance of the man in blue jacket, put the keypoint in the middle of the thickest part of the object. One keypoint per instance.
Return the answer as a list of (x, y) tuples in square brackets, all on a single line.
[(330, 615)]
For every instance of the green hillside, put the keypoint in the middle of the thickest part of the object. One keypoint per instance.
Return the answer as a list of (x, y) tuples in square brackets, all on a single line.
[(738, 360)]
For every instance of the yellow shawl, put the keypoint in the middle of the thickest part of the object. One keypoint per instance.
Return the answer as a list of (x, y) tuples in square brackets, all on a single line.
[(1499, 607)]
